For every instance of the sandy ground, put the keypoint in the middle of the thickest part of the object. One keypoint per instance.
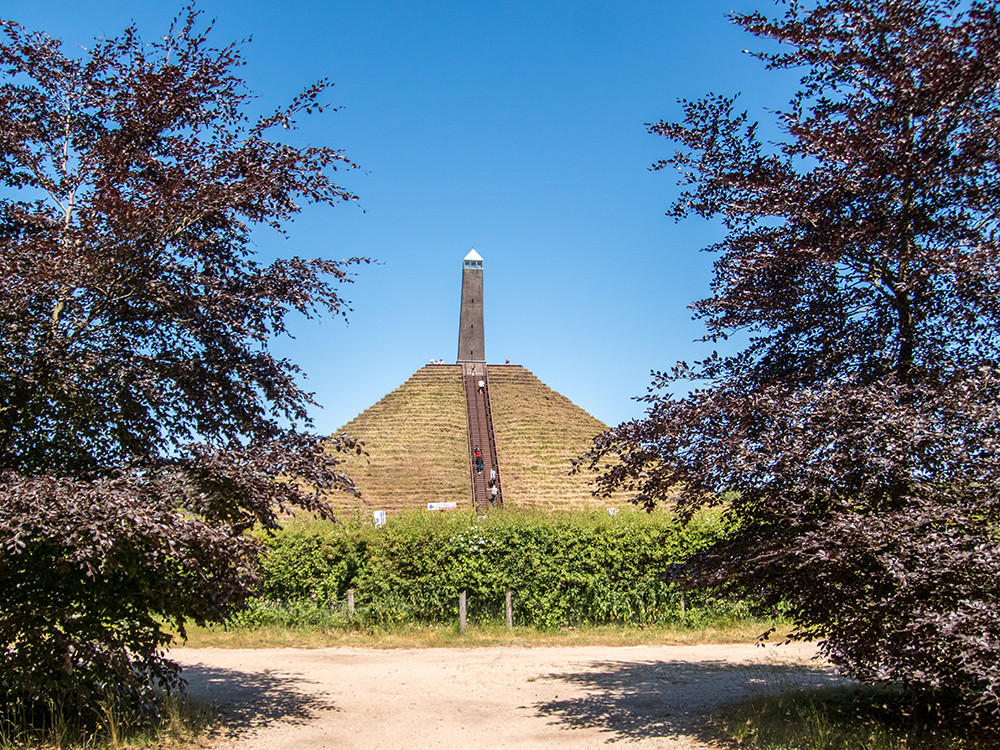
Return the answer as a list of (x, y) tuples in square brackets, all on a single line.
[(642, 697)]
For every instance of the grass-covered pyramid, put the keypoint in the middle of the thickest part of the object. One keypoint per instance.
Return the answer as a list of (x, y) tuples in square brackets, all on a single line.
[(417, 444)]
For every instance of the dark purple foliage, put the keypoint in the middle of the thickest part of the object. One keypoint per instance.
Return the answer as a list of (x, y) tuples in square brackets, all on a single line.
[(855, 440), (144, 424)]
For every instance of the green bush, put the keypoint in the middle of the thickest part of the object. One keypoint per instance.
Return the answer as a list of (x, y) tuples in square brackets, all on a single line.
[(568, 569), (289, 614)]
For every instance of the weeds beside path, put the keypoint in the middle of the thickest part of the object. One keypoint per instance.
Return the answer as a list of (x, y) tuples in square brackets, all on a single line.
[(537, 697), (440, 636)]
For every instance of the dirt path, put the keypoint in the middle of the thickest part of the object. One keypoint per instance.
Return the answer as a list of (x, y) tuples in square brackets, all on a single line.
[(644, 697)]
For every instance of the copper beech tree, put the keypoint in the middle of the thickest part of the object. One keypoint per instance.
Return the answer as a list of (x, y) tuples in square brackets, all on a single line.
[(145, 424), (854, 441)]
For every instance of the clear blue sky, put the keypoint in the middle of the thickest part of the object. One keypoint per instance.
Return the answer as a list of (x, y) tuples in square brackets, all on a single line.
[(514, 127)]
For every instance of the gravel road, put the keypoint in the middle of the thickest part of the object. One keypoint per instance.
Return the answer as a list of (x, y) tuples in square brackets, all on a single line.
[(508, 697)]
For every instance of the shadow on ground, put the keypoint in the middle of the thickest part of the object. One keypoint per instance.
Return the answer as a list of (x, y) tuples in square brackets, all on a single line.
[(664, 699), (255, 699)]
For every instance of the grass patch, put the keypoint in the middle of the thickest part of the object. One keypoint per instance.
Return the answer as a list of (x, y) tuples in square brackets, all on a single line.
[(539, 432), (417, 447), (856, 717), (410, 635), (180, 722)]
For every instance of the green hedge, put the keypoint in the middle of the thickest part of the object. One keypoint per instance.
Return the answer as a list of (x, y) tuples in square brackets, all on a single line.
[(569, 569)]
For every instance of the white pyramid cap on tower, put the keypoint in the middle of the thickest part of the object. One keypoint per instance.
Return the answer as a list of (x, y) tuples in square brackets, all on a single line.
[(473, 255)]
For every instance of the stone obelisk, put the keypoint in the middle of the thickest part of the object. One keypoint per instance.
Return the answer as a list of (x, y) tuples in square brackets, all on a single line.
[(471, 341)]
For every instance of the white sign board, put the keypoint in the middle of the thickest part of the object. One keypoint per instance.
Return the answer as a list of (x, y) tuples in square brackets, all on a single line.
[(379, 517), (442, 506)]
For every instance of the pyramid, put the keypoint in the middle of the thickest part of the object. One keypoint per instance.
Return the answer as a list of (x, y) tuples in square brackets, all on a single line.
[(416, 438)]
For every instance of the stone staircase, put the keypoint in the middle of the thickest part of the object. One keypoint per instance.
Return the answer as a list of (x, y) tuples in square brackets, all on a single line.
[(481, 437)]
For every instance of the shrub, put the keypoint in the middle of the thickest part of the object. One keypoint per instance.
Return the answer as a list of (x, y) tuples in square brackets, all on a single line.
[(570, 569)]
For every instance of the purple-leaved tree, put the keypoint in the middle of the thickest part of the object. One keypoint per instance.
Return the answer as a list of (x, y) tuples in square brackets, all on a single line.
[(854, 442), (145, 425)]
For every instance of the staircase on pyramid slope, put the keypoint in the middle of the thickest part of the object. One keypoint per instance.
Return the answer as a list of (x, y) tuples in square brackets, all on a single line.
[(484, 469)]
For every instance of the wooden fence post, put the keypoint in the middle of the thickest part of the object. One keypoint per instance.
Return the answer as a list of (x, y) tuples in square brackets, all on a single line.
[(350, 602), (461, 613), (682, 604), (510, 611)]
